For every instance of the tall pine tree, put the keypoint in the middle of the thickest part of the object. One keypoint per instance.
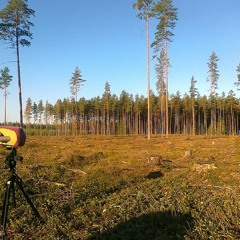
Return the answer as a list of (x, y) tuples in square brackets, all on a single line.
[(145, 8), (76, 82), (213, 76), (15, 30), (166, 13), (193, 93)]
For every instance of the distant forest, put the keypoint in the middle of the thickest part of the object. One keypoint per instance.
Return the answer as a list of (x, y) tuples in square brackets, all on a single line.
[(128, 114)]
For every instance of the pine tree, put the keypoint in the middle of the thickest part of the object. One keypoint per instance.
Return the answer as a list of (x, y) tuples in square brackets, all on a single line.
[(161, 85), (75, 82), (28, 111), (193, 93), (48, 114), (160, 72), (106, 103), (5, 79), (15, 30), (145, 8), (213, 73), (35, 113), (40, 109), (237, 83), (213, 79), (166, 13)]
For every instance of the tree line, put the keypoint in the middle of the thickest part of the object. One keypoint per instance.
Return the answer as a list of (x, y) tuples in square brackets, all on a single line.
[(127, 114)]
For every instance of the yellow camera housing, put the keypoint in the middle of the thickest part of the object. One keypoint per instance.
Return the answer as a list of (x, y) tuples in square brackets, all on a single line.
[(12, 136)]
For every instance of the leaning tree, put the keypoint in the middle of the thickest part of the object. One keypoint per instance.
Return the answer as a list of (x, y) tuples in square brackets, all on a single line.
[(15, 30)]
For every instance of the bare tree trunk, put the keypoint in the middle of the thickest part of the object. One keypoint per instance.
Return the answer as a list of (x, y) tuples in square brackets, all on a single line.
[(193, 118), (5, 105), (148, 75), (166, 51), (19, 82)]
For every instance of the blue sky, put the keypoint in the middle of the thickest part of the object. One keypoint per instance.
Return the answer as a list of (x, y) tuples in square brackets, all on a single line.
[(106, 40)]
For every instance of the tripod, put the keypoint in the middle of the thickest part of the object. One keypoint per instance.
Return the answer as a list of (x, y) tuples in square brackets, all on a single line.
[(14, 179)]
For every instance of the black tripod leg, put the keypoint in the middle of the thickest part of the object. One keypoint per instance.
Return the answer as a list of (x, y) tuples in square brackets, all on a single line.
[(9, 186), (13, 194), (19, 184)]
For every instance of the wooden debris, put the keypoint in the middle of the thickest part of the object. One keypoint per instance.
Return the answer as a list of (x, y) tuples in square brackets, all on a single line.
[(77, 171), (203, 167), (154, 160), (157, 160), (55, 183)]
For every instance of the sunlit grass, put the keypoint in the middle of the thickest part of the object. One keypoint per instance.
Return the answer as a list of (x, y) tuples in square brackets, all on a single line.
[(105, 187)]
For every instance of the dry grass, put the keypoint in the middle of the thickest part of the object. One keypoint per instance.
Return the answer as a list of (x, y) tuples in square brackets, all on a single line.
[(122, 189)]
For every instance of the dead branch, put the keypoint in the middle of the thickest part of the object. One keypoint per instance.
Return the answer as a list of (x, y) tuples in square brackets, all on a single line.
[(77, 171)]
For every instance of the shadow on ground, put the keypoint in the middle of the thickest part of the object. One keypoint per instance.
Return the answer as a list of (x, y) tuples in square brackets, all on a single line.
[(153, 175), (152, 226)]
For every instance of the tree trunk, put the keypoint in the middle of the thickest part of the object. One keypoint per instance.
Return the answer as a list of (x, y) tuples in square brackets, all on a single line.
[(148, 75), (193, 119), (166, 50), (19, 82), (5, 105)]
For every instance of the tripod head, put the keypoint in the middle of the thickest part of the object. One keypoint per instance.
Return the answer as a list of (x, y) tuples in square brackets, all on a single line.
[(12, 136)]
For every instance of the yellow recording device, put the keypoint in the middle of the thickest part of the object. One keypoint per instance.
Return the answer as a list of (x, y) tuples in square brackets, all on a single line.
[(12, 136)]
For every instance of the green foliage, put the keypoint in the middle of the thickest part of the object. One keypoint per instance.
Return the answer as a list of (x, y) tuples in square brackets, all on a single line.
[(160, 69), (75, 82), (237, 83), (15, 30), (213, 73), (145, 8), (193, 90), (15, 24), (166, 13), (5, 78)]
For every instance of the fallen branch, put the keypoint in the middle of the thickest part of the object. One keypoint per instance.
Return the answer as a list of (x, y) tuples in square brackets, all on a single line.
[(55, 183), (77, 171)]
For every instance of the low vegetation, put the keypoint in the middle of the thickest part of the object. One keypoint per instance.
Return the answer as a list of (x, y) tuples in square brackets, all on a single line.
[(127, 187)]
